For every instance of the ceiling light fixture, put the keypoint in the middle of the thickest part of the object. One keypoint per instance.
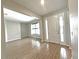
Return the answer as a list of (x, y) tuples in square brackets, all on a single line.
[(42, 2)]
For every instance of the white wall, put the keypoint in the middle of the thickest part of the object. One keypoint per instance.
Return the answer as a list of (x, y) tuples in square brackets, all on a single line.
[(25, 30), (67, 29), (53, 29), (13, 30), (73, 12), (16, 30), (2, 35), (41, 29)]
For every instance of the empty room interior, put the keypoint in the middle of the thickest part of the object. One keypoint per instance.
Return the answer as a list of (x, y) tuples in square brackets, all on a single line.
[(40, 29)]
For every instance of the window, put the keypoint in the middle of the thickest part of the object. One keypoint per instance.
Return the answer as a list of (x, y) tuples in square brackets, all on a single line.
[(61, 28), (35, 28), (46, 24)]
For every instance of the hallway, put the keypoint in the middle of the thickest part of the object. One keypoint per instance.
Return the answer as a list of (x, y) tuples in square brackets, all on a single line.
[(29, 48)]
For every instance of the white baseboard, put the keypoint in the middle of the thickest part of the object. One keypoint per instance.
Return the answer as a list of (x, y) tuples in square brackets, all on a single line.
[(9, 40), (57, 43)]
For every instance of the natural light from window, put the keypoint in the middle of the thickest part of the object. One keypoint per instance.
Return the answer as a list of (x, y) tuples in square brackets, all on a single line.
[(61, 28), (46, 24), (35, 29), (63, 53), (35, 44)]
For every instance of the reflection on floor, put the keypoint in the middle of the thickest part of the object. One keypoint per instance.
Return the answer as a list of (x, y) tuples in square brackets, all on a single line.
[(32, 49)]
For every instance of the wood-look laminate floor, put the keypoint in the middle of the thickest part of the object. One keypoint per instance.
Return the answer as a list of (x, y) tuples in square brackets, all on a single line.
[(32, 49)]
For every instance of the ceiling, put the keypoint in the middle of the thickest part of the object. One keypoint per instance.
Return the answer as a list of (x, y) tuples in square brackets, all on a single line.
[(49, 5), (15, 16)]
